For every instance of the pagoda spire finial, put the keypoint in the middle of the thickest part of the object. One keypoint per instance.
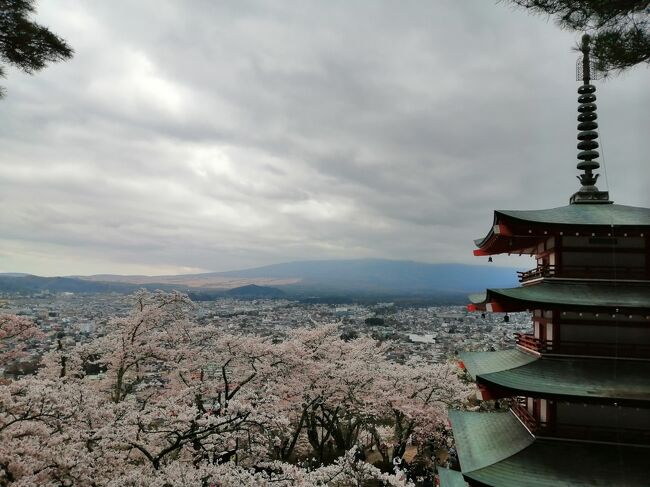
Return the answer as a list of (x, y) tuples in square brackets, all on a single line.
[(587, 130)]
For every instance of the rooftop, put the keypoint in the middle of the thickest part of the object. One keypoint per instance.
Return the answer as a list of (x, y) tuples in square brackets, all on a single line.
[(514, 230), (451, 478), (561, 377), (495, 449), (584, 214), (559, 293)]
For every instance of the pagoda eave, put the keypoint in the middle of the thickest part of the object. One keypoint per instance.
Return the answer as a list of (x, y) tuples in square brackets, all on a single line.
[(566, 294), (502, 239), (495, 449), (491, 390), (516, 231), (491, 307), (551, 462), (450, 478), (516, 244), (588, 380)]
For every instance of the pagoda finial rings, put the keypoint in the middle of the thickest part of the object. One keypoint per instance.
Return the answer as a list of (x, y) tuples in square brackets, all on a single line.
[(587, 156), (587, 135), (587, 126), (587, 145), (587, 117), (584, 89), (587, 107)]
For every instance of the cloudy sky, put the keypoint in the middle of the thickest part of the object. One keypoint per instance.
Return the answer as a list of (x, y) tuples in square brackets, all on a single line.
[(199, 136)]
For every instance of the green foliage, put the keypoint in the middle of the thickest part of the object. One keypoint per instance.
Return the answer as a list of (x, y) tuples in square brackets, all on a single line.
[(374, 321), (26, 44), (620, 29)]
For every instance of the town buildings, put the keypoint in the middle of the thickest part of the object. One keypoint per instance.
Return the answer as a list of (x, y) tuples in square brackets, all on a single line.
[(432, 333)]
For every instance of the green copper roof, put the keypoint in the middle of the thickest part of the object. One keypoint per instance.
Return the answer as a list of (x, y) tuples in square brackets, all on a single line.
[(496, 450), (566, 293), (483, 439), (624, 380), (479, 363), (451, 478), (584, 214), (572, 216), (569, 464)]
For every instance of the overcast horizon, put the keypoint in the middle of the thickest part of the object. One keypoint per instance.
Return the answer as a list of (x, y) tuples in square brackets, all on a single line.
[(195, 137)]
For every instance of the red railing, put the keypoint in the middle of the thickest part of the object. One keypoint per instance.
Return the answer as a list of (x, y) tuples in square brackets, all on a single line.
[(521, 411), (531, 343), (585, 272), (539, 271), (578, 431), (622, 350)]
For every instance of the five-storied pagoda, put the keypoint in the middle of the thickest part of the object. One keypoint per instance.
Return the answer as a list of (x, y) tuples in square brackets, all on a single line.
[(579, 384)]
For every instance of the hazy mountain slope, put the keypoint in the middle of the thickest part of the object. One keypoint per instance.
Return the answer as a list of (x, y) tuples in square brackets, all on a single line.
[(385, 275), (210, 280), (29, 284), (254, 291), (360, 275), (366, 277)]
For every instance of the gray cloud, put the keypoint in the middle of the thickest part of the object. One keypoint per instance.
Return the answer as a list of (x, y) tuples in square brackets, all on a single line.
[(212, 136)]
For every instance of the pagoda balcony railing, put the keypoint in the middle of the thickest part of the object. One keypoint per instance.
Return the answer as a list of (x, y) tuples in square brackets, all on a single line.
[(611, 434), (520, 410), (583, 272), (597, 349), (530, 342), (537, 272)]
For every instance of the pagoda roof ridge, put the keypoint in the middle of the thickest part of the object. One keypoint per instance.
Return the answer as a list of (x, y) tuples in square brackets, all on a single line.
[(495, 449), (514, 230), (483, 439), (563, 377), (479, 363), (575, 294), (584, 214)]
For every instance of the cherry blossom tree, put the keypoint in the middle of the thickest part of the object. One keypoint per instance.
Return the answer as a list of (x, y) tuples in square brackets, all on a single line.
[(417, 399), (161, 400), (15, 333), (345, 390)]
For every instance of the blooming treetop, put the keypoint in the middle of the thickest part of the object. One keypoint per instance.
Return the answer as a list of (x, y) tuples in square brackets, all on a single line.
[(177, 403)]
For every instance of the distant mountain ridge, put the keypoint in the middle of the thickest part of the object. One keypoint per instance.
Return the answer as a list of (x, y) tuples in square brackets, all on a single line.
[(255, 291), (384, 275), (357, 277), (17, 283)]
